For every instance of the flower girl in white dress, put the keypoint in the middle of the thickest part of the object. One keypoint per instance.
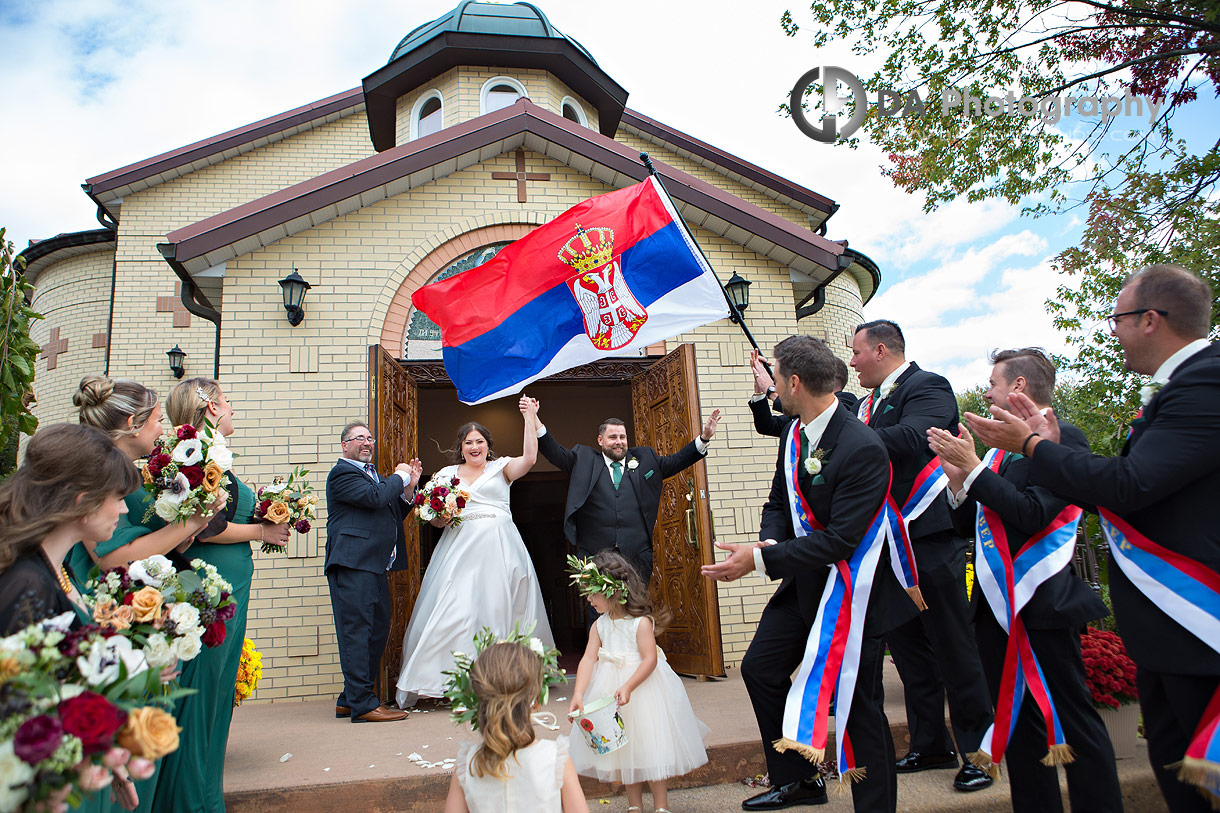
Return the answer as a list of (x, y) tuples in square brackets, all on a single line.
[(511, 770), (664, 738)]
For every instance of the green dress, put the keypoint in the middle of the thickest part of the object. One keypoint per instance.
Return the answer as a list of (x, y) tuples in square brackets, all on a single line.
[(131, 527), (192, 778)]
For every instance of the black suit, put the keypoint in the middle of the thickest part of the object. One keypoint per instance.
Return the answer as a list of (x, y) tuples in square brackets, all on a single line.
[(935, 651), (363, 527), (772, 425), (597, 516), (1165, 484), (1053, 617), (854, 476)]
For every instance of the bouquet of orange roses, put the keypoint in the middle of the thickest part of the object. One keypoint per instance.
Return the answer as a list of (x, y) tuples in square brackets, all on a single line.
[(287, 501)]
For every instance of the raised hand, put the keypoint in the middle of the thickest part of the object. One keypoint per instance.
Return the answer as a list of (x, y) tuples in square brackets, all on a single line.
[(410, 474), (957, 451), (762, 379), (1024, 408), (709, 428)]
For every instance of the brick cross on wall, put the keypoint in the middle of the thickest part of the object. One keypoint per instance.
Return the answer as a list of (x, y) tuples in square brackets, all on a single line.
[(53, 348), (521, 176), (168, 304)]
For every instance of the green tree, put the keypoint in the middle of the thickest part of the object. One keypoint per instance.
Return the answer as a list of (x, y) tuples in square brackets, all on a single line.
[(17, 355), (1152, 199)]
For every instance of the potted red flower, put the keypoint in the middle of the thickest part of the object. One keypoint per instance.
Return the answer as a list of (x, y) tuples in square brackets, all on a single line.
[(1110, 675)]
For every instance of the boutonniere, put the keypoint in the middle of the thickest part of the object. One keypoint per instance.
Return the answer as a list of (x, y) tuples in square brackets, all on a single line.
[(813, 463), (888, 389), (632, 464), (1148, 391)]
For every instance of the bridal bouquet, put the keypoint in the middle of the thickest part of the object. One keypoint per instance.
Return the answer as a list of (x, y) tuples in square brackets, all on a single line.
[(171, 613), (185, 471), (441, 497), (71, 714), (287, 501)]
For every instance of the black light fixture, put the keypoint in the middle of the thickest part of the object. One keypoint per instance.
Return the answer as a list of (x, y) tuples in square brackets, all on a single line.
[(739, 292), (294, 296), (176, 358)]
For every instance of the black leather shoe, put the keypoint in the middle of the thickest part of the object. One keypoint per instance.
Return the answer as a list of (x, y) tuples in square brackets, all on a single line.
[(915, 761), (810, 791), (971, 777)]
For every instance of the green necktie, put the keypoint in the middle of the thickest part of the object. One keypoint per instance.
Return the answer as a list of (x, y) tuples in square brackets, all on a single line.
[(616, 473)]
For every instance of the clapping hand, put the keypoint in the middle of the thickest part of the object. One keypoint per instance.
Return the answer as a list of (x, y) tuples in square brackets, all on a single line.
[(956, 453), (762, 379), (709, 428), (1009, 430), (410, 474)]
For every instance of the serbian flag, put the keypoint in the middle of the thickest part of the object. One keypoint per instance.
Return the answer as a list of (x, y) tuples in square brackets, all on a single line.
[(613, 274)]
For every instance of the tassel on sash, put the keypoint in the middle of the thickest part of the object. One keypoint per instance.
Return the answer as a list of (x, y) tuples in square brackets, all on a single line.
[(1007, 583), (831, 661), (1189, 593)]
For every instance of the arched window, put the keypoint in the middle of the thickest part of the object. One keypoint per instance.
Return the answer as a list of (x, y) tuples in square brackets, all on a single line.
[(500, 92), (572, 111), (423, 339), (428, 114)]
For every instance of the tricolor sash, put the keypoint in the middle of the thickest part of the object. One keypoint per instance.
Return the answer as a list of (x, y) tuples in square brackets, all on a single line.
[(930, 482), (831, 662), (1008, 582), (1189, 593)]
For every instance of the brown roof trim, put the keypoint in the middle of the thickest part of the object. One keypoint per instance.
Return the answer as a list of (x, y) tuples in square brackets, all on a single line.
[(714, 208), (41, 254), (99, 185), (676, 138)]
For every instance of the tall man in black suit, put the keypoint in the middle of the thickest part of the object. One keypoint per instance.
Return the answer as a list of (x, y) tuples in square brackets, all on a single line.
[(936, 651), (1164, 485), (614, 490), (364, 540), (1052, 617), (849, 490)]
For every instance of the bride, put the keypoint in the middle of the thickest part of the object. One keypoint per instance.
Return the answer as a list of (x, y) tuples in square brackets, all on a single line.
[(480, 574)]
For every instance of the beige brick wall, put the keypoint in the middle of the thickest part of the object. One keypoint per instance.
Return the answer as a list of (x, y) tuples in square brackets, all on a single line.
[(74, 297)]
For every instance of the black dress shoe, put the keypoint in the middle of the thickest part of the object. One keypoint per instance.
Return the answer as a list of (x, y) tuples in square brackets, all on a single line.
[(810, 791), (971, 777), (915, 761)]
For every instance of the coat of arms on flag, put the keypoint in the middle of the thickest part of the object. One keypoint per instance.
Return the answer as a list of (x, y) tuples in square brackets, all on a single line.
[(613, 274), (612, 314)]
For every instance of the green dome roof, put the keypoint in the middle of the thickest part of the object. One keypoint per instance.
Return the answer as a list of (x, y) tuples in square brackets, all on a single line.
[(518, 20)]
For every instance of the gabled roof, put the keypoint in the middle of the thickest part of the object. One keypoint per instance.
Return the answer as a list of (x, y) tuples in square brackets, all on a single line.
[(109, 188), (262, 222)]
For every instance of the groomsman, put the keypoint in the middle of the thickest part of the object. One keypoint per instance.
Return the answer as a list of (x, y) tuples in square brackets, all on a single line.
[(1052, 617), (1163, 487), (844, 498), (364, 540), (934, 652), (764, 393)]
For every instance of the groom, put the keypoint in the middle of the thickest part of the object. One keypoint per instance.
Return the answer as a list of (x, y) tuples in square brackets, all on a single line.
[(364, 540), (844, 497), (614, 490)]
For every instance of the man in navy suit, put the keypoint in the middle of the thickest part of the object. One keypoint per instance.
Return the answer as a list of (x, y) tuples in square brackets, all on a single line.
[(364, 540), (1052, 617), (935, 652), (844, 499), (1164, 485)]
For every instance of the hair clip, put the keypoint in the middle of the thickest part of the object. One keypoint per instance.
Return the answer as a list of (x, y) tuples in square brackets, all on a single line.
[(203, 396)]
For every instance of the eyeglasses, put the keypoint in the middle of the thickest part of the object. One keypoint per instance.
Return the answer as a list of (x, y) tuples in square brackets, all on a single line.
[(362, 439), (1112, 319)]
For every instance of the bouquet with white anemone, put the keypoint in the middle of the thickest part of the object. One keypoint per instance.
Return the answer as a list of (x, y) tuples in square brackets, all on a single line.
[(185, 472)]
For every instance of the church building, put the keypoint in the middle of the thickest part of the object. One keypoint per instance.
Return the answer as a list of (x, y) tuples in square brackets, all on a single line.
[(483, 124)]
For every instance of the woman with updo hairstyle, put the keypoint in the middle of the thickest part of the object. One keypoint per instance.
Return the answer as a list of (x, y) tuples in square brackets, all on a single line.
[(192, 778), (130, 414), (511, 769)]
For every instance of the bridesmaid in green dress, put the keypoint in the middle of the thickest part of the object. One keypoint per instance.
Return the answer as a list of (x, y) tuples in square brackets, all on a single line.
[(130, 414), (68, 491), (196, 770)]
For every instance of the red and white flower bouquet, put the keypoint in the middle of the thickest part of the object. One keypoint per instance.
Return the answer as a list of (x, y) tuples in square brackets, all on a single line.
[(185, 472), (442, 496)]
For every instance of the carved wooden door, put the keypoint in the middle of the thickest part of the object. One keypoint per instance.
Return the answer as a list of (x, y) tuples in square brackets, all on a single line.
[(665, 405), (392, 415)]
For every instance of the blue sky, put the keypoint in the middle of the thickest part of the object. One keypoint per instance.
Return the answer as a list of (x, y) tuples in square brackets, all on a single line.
[(93, 86)]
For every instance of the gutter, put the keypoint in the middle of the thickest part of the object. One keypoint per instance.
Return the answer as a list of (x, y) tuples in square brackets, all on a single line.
[(193, 299)]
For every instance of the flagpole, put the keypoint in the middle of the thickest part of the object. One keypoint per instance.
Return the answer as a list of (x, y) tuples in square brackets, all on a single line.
[(735, 314)]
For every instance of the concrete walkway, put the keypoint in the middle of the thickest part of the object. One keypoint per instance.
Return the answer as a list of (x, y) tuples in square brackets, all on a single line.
[(295, 756)]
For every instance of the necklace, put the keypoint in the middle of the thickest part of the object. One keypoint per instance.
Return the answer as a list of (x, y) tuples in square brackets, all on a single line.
[(61, 575)]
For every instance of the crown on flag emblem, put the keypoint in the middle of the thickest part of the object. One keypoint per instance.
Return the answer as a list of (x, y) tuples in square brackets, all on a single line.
[(612, 314), (589, 249)]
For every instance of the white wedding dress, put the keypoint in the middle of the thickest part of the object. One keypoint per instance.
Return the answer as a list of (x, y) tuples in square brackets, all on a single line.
[(480, 576)]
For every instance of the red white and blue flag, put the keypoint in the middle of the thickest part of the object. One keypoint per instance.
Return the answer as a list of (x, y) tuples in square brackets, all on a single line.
[(613, 274)]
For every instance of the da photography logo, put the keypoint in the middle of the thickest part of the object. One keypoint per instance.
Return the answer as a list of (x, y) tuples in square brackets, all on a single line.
[(832, 102), (890, 103)]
